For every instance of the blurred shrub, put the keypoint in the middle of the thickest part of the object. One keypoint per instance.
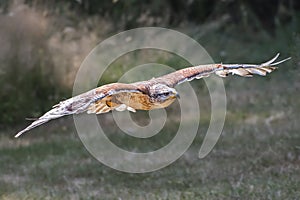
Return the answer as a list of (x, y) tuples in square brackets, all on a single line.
[(26, 71), (255, 14), (4, 6), (37, 63)]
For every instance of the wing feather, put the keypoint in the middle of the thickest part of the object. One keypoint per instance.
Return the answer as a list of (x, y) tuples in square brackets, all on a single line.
[(89, 102), (93, 100), (222, 70), (248, 70)]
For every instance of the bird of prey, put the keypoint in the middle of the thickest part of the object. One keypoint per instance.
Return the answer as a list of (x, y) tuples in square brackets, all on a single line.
[(146, 95)]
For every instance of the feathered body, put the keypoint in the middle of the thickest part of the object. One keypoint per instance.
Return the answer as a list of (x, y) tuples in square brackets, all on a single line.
[(146, 95)]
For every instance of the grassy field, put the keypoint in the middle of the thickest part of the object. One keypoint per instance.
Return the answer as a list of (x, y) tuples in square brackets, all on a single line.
[(257, 156), (248, 162)]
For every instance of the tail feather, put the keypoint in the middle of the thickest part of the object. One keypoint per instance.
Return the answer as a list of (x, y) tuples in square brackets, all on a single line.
[(248, 70)]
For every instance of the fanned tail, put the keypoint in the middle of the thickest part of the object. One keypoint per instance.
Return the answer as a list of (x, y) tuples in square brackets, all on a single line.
[(248, 70)]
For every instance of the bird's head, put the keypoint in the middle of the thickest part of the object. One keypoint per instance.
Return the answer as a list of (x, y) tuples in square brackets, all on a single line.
[(162, 93)]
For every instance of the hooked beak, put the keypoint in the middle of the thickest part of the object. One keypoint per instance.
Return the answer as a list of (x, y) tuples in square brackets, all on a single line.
[(177, 95)]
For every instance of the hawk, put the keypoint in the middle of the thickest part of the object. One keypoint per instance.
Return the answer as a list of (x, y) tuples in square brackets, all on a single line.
[(146, 95)]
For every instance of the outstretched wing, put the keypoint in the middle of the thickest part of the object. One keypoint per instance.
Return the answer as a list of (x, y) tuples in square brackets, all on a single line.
[(99, 100), (93, 101), (223, 70)]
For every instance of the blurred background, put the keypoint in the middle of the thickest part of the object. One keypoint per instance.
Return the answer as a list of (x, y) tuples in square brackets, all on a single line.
[(42, 44)]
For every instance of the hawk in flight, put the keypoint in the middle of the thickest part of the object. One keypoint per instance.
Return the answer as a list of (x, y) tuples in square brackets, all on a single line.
[(146, 95)]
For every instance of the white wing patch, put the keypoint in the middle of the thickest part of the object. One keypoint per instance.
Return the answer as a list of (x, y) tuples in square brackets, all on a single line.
[(131, 109), (124, 107), (121, 107)]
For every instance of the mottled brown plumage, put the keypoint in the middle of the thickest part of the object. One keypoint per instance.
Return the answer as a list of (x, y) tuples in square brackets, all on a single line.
[(146, 95)]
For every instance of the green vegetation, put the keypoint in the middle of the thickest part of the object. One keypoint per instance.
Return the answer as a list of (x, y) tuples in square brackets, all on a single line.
[(257, 156), (247, 162)]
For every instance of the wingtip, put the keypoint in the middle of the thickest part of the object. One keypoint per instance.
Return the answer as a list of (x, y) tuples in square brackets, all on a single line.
[(281, 61), (272, 62), (18, 134), (276, 56), (31, 126)]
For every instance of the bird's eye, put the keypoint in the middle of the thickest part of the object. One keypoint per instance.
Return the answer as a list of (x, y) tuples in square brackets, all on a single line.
[(161, 94)]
